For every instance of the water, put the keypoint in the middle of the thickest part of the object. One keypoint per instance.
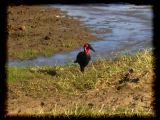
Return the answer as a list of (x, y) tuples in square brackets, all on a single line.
[(130, 29)]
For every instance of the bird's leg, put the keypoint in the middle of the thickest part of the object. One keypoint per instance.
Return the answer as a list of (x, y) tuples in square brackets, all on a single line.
[(75, 61), (82, 69)]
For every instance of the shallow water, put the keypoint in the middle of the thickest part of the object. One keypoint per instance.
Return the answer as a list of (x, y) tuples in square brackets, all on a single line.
[(129, 26)]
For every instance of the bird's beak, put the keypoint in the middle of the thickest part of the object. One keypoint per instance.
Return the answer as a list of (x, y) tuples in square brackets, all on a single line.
[(92, 48)]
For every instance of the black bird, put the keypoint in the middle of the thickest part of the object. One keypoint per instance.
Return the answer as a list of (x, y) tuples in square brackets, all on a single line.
[(84, 57)]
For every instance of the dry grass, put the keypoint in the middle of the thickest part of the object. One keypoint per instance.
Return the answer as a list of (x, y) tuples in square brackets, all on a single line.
[(108, 87)]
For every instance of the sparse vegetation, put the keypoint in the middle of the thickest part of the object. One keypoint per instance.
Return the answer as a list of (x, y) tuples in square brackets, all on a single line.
[(122, 86), (107, 87), (41, 30)]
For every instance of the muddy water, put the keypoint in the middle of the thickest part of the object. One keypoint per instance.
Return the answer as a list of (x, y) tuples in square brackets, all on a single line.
[(119, 29)]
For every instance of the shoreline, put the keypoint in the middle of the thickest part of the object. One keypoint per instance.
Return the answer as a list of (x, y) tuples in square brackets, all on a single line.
[(46, 32), (38, 86)]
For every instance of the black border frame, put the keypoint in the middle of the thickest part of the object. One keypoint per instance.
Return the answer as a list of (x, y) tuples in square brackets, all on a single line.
[(3, 51)]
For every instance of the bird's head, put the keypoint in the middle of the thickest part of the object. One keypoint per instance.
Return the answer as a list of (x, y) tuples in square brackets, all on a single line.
[(87, 47)]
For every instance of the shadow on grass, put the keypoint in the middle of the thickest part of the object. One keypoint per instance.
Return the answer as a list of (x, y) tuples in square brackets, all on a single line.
[(49, 72)]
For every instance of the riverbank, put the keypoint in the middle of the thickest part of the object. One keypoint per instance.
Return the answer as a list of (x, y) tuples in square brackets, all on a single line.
[(42, 31), (108, 87)]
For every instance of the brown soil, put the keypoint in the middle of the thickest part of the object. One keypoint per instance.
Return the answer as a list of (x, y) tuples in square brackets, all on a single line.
[(38, 28), (134, 96), (41, 30)]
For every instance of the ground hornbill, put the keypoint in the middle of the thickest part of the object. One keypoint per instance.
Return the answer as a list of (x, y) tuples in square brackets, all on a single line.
[(84, 57)]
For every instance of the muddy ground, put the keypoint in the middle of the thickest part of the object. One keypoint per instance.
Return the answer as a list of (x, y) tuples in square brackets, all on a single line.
[(131, 95), (42, 30)]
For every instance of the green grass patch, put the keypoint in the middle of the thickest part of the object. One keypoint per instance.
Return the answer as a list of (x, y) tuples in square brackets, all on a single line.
[(101, 80), (18, 74), (69, 78), (94, 112), (27, 54)]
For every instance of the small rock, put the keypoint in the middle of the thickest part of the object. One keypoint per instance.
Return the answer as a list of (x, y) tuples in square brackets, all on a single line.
[(90, 104), (119, 87), (19, 111), (126, 75), (130, 70), (57, 16), (42, 104), (135, 80), (136, 97), (46, 37), (22, 28)]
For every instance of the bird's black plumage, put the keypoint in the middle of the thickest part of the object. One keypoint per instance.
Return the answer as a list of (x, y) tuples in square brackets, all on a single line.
[(84, 57), (83, 60)]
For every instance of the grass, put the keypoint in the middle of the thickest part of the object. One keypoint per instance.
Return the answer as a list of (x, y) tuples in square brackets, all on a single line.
[(103, 89), (42, 33), (81, 110)]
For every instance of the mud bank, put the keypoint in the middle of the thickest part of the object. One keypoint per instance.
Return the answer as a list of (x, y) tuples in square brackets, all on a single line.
[(40, 30)]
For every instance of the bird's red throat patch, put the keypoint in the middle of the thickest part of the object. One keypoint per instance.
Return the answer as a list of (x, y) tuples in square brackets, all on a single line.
[(87, 50)]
